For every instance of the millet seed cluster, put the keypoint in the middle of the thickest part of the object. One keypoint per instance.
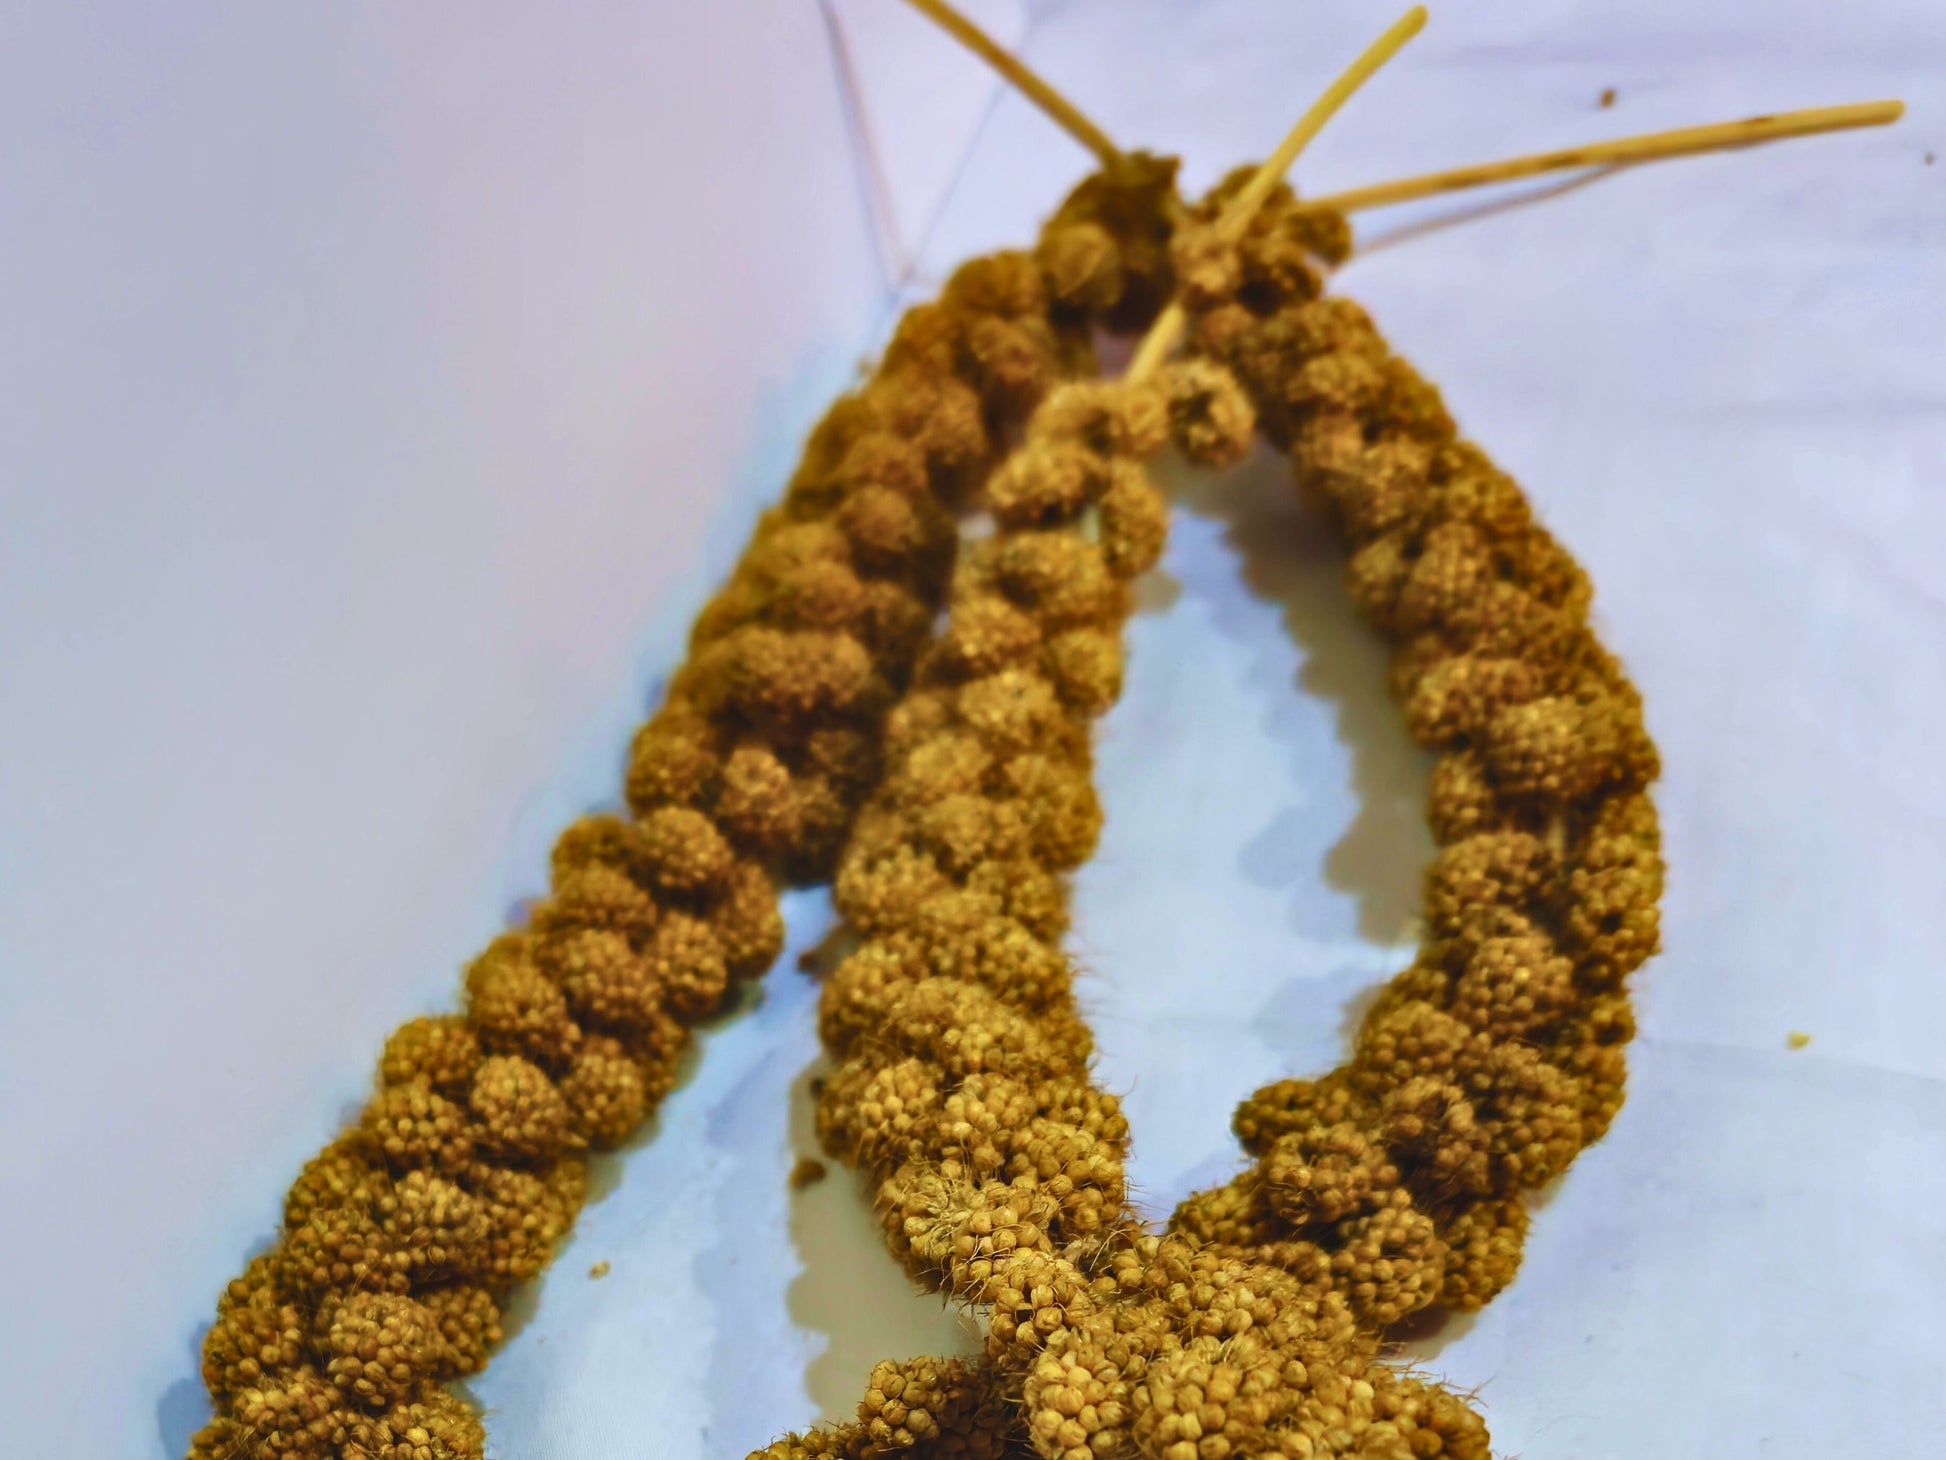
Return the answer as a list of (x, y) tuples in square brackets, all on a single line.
[(467, 1167), (1252, 1326)]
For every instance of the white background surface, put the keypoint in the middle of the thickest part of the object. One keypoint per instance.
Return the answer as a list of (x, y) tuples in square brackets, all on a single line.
[(381, 390)]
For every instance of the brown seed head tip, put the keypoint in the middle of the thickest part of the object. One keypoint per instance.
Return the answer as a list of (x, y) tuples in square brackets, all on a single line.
[(599, 1270), (808, 1171), (1797, 1039), (1607, 98)]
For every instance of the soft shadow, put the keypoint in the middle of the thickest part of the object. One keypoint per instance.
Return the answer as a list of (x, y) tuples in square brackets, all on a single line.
[(1474, 212), (1423, 1335), (184, 1407), (850, 1289), (1289, 556)]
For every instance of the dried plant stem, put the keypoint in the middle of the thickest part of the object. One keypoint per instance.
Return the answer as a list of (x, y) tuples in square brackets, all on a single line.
[(1063, 112), (1236, 215), (1643, 147)]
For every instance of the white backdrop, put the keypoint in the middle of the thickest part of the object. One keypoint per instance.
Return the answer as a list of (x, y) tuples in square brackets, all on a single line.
[(383, 390)]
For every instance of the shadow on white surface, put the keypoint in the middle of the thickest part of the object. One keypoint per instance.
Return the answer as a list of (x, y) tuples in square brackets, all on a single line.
[(849, 1288), (1431, 218), (1273, 581), (1288, 556), (1260, 865)]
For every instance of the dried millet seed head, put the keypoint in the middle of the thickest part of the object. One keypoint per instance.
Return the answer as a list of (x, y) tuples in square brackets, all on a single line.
[(1374, 574), (1483, 1248), (880, 1114), (1061, 578), (607, 984), (343, 1174), (441, 1051), (1384, 489), (912, 1402), (1462, 801), (1082, 266), (295, 1415), (605, 1092), (515, 1008), (520, 1110), (600, 840), (1134, 522), (986, 633), (1291, 1105), (960, 935), (1435, 1135), (893, 621), (408, 1126), (1085, 665), (941, 415), (747, 922), (1065, 815), (1026, 891), (1532, 1113), (948, 760), (929, 339), (1391, 1262), (962, 831), (881, 891), (1110, 418), (1006, 283), (434, 1425), (684, 852), (1413, 1039), (894, 534), (1211, 420), (757, 803), (1280, 263), (1197, 1405), (468, 1318), (1495, 870), (785, 683), (1454, 699), (434, 1227), (1011, 361), (842, 1442), (381, 1347), (1011, 712), (858, 994), (686, 962), (846, 755), (524, 1215), (250, 1343), (673, 759), (1326, 1173), (657, 1049), (597, 895), (1208, 266), (1045, 484), (1514, 986)]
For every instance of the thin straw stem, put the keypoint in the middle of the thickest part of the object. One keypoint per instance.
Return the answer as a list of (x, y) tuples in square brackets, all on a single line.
[(1241, 208), (1643, 147), (1063, 112)]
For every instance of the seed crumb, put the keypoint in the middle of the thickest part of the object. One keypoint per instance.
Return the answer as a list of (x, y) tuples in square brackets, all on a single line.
[(809, 1171), (1607, 98), (1797, 1039), (599, 1270)]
